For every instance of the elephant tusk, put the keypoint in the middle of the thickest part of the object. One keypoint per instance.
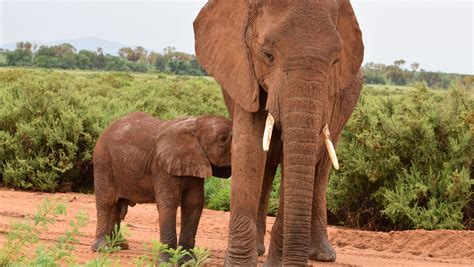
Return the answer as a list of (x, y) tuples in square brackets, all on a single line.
[(267, 134), (330, 147)]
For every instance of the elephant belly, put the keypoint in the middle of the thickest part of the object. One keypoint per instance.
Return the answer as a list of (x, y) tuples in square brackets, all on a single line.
[(138, 190)]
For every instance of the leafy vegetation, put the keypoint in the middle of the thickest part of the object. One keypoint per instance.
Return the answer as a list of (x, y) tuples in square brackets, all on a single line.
[(406, 153), (24, 236), (397, 74), (65, 56), (406, 161)]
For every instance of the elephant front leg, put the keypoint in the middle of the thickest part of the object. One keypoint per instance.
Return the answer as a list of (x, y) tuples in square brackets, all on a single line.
[(248, 162), (192, 204), (263, 207), (167, 221), (272, 161), (275, 251), (321, 249)]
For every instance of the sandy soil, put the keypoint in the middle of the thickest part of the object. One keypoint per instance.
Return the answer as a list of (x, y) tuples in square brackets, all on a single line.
[(354, 247)]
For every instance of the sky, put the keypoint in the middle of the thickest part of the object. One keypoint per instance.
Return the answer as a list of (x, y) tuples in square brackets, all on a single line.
[(436, 34)]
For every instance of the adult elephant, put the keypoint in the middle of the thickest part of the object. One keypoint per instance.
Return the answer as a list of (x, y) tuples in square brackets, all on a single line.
[(294, 63)]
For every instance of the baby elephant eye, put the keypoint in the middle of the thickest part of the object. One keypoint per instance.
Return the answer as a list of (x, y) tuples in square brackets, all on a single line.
[(222, 138)]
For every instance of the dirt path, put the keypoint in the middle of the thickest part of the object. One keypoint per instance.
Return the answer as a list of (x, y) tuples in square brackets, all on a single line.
[(354, 248)]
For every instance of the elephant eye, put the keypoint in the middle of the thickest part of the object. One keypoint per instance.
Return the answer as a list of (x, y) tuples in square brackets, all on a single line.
[(268, 56), (222, 138)]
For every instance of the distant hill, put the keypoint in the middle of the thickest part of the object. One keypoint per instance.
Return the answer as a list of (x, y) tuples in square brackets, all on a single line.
[(88, 43)]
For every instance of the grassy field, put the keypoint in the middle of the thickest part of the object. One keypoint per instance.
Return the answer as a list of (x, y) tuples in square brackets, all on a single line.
[(405, 155)]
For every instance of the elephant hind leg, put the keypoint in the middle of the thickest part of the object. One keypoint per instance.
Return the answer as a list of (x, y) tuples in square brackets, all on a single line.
[(192, 204), (108, 207), (108, 221)]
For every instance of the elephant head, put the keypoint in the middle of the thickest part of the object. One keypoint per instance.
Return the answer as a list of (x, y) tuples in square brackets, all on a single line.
[(199, 147), (294, 59)]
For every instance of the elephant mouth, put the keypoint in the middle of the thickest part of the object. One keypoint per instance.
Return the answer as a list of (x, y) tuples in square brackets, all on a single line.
[(267, 138)]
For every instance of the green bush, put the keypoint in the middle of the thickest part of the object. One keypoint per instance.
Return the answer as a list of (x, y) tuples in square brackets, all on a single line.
[(49, 121), (217, 194), (406, 162)]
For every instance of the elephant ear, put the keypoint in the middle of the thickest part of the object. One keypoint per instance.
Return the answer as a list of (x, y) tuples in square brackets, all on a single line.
[(352, 52), (179, 152), (219, 32)]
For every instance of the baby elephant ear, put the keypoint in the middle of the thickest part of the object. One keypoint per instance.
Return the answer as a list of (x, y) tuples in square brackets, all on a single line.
[(179, 153)]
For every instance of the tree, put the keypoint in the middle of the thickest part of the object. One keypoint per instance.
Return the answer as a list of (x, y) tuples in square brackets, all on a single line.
[(152, 57), (125, 52), (414, 66), (396, 75), (100, 61), (431, 78), (63, 50), (399, 62), (140, 53), (133, 54), (161, 63), (21, 56)]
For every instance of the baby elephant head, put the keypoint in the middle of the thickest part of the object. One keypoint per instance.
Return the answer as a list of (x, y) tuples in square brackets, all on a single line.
[(196, 146)]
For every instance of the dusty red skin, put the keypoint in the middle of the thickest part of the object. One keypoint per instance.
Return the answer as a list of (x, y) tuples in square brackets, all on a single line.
[(142, 159), (299, 61)]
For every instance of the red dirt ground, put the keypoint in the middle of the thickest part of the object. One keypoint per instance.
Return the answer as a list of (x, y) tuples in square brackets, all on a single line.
[(354, 247)]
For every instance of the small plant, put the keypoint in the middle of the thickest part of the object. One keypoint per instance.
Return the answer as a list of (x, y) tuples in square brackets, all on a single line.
[(155, 248), (113, 241), (200, 257), (177, 257), (24, 235)]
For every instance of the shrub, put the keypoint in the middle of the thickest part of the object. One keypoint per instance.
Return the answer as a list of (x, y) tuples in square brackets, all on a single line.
[(217, 194), (406, 162)]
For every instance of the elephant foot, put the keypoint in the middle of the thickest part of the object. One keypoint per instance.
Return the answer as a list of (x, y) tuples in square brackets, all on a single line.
[(186, 258), (101, 243), (322, 251), (98, 243), (260, 249), (163, 257), (272, 261), (240, 262), (123, 245)]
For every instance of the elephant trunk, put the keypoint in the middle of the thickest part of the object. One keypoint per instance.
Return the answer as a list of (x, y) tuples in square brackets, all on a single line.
[(302, 121)]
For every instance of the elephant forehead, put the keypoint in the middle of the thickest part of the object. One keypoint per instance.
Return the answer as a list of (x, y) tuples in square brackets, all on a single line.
[(122, 130), (186, 121), (299, 25), (215, 126)]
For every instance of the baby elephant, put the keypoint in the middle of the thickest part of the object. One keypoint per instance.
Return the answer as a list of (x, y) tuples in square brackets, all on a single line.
[(141, 159)]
